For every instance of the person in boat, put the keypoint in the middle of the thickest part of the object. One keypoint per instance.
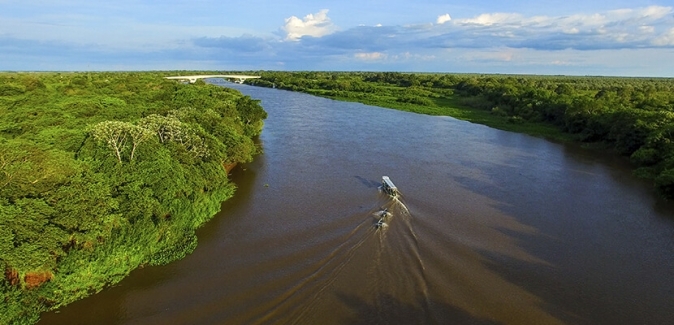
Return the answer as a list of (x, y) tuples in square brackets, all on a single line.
[(379, 223)]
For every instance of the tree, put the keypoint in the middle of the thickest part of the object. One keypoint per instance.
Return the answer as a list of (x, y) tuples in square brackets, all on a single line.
[(250, 110), (120, 137), (165, 127), (139, 135), (251, 115), (114, 134), (171, 129)]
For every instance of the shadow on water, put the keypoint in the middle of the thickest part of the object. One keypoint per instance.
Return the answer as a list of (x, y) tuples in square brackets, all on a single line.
[(600, 292), (243, 177), (609, 247), (664, 209), (620, 171), (368, 182), (391, 311), (535, 278)]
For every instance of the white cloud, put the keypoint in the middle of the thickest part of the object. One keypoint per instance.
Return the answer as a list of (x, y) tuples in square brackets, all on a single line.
[(624, 28), (492, 19), (372, 56), (666, 39), (654, 12), (413, 56), (623, 20), (443, 19), (647, 29), (316, 25)]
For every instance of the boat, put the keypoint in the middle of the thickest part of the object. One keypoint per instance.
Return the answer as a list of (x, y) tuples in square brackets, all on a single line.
[(380, 223), (382, 214), (388, 187)]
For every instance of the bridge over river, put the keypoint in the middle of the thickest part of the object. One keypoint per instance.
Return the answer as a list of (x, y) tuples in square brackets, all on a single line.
[(192, 79)]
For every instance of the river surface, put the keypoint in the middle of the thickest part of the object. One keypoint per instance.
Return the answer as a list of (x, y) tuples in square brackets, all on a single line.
[(491, 227)]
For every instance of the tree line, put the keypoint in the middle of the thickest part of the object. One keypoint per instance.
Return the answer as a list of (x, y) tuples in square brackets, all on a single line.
[(101, 173)]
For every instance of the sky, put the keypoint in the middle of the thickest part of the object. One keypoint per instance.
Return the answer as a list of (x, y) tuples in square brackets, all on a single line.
[(552, 37)]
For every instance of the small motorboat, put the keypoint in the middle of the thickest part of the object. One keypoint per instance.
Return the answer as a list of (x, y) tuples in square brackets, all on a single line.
[(388, 187)]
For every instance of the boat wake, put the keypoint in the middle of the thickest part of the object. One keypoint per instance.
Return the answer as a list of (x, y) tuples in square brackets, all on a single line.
[(385, 238)]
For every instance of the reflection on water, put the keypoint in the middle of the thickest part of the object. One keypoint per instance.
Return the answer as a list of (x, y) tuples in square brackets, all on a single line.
[(492, 227)]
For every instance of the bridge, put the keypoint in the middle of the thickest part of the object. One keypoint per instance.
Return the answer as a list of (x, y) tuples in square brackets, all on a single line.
[(192, 79)]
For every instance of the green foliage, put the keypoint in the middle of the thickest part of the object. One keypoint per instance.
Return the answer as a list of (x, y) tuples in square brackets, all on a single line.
[(101, 173), (418, 100), (11, 90), (645, 156), (251, 115), (665, 182)]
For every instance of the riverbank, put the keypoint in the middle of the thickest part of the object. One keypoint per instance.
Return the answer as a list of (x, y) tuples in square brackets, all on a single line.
[(456, 108), (103, 173)]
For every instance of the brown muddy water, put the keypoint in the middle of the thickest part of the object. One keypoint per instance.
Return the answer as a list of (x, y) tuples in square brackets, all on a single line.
[(492, 227)]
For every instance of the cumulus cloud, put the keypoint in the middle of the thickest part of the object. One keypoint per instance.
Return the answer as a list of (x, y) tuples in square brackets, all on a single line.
[(499, 39), (443, 19), (618, 29), (315, 25), (624, 28)]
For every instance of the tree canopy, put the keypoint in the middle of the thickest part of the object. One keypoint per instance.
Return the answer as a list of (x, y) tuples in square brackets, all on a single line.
[(101, 173)]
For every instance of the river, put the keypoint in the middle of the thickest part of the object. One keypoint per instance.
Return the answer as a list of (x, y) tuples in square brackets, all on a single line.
[(491, 227)]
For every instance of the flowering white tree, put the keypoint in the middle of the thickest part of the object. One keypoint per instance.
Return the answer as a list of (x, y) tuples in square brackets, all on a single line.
[(121, 137), (170, 128), (139, 135), (165, 127), (114, 134)]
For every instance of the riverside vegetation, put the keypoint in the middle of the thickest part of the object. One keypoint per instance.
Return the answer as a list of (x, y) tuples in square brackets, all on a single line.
[(633, 116), (102, 173)]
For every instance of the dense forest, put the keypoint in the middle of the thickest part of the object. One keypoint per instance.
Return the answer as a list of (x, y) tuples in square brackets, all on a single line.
[(633, 116), (102, 173)]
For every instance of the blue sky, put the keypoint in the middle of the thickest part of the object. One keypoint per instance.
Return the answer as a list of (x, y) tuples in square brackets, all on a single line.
[(618, 37)]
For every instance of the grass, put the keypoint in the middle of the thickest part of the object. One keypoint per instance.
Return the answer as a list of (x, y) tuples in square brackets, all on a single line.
[(452, 106)]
